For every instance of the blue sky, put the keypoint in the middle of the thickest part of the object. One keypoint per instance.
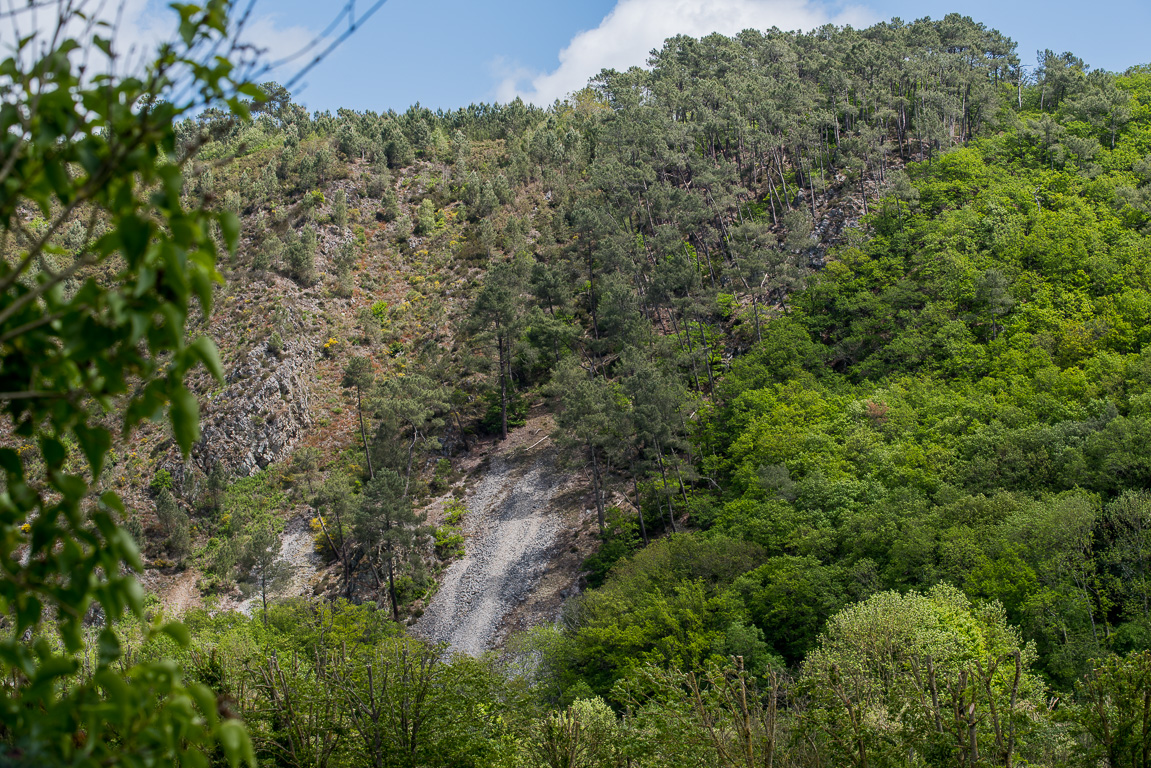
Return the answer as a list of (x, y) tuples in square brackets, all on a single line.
[(449, 53)]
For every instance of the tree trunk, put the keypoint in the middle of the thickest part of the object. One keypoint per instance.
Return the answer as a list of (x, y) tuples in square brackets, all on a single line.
[(460, 426), (503, 388), (392, 586), (364, 437), (591, 302), (663, 474), (639, 511), (411, 454), (706, 357), (597, 486)]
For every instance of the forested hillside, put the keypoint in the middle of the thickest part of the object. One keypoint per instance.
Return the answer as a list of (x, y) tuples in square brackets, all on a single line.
[(847, 334)]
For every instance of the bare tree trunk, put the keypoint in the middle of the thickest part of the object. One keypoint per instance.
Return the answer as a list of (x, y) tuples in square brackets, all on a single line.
[(392, 586), (639, 511), (460, 426), (663, 473), (597, 486), (503, 387), (364, 436)]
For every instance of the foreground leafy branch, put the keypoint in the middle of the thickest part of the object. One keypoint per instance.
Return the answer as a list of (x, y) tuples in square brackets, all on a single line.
[(83, 331)]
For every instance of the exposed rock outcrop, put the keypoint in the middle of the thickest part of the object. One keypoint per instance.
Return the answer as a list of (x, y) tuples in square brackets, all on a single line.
[(261, 412)]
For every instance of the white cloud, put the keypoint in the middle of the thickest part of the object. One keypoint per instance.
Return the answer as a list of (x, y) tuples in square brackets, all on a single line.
[(634, 27), (138, 27)]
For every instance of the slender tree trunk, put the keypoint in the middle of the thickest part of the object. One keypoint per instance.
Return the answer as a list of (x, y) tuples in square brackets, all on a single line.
[(679, 477), (591, 292), (639, 511), (364, 437), (503, 387), (597, 487), (392, 586), (706, 358), (411, 455), (690, 351), (663, 474), (460, 426)]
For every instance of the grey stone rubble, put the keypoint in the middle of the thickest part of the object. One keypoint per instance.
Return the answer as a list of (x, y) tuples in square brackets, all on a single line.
[(511, 530)]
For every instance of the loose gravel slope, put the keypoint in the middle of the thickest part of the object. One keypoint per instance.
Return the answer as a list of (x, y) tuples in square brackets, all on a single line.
[(512, 528)]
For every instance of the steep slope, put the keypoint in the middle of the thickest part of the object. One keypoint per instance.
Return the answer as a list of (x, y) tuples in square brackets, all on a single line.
[(523, 524)]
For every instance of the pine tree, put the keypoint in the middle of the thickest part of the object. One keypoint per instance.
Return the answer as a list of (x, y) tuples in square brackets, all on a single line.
[(358, 375), (496, 316), (260, 557), (410, 409), (388, 530), (591, 424)]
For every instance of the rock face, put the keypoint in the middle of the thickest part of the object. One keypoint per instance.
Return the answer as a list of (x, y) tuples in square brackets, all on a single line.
[(261, 412)]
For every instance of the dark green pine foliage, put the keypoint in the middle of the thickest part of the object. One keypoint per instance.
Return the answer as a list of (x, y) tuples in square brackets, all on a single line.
[(389, 532)]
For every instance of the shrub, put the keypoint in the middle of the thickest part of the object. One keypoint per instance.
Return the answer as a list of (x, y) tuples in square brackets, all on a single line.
[(449, 542), (369, 326), (313, 200), (425, 218), (161, 481), (492, 422), (454, 512), (135, 529), (440, 479), (180, 541), (340, 209), (403, 227), (262, 258), (379, 185), (726, 303), (301, 257), (379, 311), (232, 201)]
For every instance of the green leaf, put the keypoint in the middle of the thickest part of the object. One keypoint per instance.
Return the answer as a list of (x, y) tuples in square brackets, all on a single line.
[(253, 90), (95, 442), (134, 597), (205, 701), (135, 233), (205, 350), (192, 759), (129, 552), (108, 646), (235, 743), (115, 689), (230, 227), (10, 462), (177, 632), (28, 611), (112, 501), (185, 415), (52, 451)]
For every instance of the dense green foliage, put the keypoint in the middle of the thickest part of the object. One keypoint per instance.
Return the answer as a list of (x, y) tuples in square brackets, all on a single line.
[(856, 322), (97, 322), (857, 319)]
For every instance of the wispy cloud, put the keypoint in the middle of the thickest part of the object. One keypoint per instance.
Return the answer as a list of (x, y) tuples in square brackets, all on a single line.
[(634, 27), (138, 27)]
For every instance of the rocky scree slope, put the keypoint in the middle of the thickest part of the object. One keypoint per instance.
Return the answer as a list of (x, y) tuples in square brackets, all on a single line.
[(519, 528)]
